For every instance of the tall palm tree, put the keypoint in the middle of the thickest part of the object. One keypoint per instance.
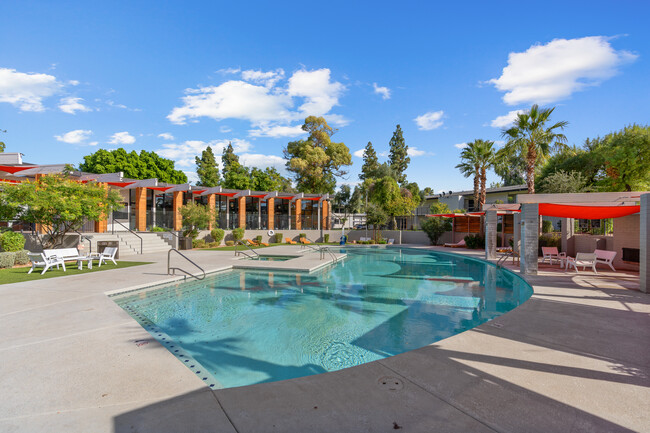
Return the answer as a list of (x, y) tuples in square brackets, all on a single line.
[(532, 139), (477, 158), (469, 166)]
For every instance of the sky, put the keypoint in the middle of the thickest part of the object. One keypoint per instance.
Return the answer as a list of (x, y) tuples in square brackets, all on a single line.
[(175, 77)]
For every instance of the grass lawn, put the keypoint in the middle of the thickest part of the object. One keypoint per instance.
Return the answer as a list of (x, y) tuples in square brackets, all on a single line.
[(262, 246), (18, 275)]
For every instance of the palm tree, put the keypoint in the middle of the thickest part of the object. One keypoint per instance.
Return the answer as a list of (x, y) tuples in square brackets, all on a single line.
[(477, 158), (529, 136), (470, 166)]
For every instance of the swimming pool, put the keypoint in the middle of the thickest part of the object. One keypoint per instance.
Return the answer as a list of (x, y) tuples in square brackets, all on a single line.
[(243, 327)]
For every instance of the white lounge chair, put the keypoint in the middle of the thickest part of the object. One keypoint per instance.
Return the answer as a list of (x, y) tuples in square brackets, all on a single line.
[(390, 242), (460, 244), (551, 254), (582, 259), (605, 257), (41, 260), (107, 254)]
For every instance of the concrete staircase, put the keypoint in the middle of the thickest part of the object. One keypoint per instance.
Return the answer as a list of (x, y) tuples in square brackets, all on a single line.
[(130, 243)]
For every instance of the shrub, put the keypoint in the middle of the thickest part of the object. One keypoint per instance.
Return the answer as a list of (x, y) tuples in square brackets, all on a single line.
[(195, 217), (217, 235), (475, 241), (302, 235), (258, 238), (21, 257), (326, 237), (371, 241), (278, 238), (158, 229), (213, 244), (238, 233), (230, 243), (549, 240), (547, 226), (435, 227), (7, 259), (198, 243), (12, 241)]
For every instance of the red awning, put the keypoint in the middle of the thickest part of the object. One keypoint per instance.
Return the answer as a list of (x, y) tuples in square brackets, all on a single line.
[(586, 212), (227, 194), (258, 196), (160, 188), (12, 169), (311, 198), (120, 184), (199, 191)]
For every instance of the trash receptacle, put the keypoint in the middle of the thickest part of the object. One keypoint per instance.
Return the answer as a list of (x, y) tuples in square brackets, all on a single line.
[(101, 245), (185, 243)]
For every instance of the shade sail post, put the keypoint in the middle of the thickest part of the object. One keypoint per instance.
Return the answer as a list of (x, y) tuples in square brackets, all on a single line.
[(516, 233), (644, 244), (529, 238), (491, 235), (568, 231)]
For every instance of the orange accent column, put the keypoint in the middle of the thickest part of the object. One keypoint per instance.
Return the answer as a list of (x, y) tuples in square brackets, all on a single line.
[(212, 205), (270, 209), (242, 212), (325, 213), (297, 215), (141, 209), (177, 203), (101, 226)]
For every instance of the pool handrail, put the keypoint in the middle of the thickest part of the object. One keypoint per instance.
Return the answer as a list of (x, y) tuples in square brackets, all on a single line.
[(174, 269), (237, 252)]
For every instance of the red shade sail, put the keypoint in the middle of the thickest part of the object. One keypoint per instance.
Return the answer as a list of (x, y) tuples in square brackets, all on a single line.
[(227, 194), (12, 169), (586, 212), (120, 184), (160, 188)]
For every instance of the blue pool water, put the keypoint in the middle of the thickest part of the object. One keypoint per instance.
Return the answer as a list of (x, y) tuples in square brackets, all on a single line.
[(250, 326)]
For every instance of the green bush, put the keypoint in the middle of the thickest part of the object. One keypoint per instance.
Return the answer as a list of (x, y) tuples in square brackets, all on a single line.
[(326, 237), (21, 257), (198, 243), (278, 238), (474, 242), (217, 235), (371, 241), (547, 226), (238, 233), (158, 229), (230, 243), (7, 259), (258, 238), (12, 241), (302, 235), (549, 240), (435, 227)]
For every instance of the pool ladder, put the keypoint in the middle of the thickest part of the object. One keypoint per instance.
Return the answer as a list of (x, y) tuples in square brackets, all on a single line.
[(504, 257), (321, 249), (237, 252), (173, 269)]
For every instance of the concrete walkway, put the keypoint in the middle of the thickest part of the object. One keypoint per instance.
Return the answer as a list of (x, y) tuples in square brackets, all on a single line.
[(573, 358)]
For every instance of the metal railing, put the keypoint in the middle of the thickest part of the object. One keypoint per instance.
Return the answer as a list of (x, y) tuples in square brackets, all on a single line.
[(320, 248), (237, 252), (175, 268), (113, 232), (88, 238), (505, 256)]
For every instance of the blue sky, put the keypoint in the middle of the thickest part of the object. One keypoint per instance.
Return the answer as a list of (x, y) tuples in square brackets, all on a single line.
[(174, 77)]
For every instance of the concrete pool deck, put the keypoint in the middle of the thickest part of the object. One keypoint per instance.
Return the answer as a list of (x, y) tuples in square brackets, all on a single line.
[(575, 357)]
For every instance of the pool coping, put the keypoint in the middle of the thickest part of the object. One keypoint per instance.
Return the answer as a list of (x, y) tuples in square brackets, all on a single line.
[(571, 357)]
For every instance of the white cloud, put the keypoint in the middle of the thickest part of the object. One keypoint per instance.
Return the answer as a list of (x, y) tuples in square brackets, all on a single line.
[(73, 82), (229, 71), (548, 73), (27, 91), (505, 120), (358, 153), (183, 154), (71, 105), (78, 136), (414, 151), (268, 79), (320, 93), (383, 91), (277, 131), (224, 129), (430, 120), (166, 136), (460, 145), (122, 138), (262, 161)]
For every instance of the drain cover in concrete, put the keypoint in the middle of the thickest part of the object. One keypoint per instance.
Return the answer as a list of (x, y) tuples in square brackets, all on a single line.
[(389, 383)]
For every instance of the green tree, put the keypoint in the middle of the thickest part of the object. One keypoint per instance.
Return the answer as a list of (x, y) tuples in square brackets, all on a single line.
[(414, 189), (206, 168), (370, 163), (376, 217), (235, 175), (145, 165), (398, 155), (2, 144), (195, 217), (627, 159), (561, 182), (435, 227), (317, 160), (395, 201), (59, 204), (511, 168), (469, 166), (532, 140), (269, 179)]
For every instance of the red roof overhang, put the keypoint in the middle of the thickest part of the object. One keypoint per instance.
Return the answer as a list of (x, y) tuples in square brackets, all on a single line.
[(12, 169), (586, 212), (227, 194), (120, 184)]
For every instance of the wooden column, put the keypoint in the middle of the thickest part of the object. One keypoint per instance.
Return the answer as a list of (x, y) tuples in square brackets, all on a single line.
[(212, 205), (242, 212), (298, 214), (270, 208), (101, 226), (141, 209), (177, 203)]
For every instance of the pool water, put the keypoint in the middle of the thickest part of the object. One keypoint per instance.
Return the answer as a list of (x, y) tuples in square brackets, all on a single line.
[(243, 327)]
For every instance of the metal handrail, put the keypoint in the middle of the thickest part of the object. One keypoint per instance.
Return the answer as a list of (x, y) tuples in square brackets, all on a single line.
[(504, 257), (113, 232), (174, 269), (326, 249), (90, 242), (237, 252)]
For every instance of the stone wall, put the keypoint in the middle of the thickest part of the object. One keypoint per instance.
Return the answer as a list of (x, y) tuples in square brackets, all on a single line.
[(626, 235)]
